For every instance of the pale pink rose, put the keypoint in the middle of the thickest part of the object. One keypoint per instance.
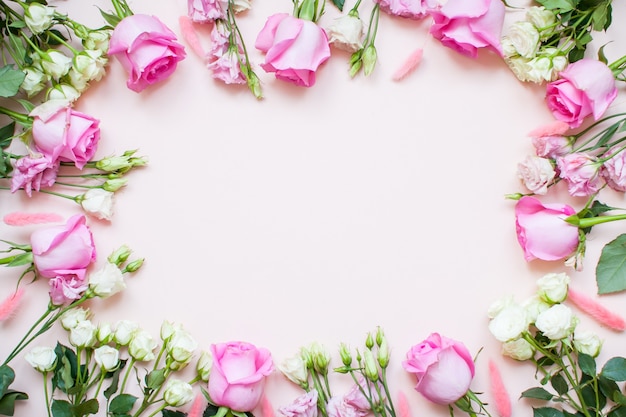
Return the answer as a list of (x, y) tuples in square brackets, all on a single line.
[(147, 49), (536, 173), (294, 48), (444, 368), (338, 407), (237, 376), (586, 87), (412, 9), (614, 171), (204, 11), (33, 173), (542, 231), (303, 406), (66, 288), (63, 250), (466, 26), (581, 171), (66, 134)]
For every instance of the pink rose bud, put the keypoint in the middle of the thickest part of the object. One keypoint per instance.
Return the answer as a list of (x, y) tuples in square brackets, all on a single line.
[(147, 49), (542, 230), (444, 368)]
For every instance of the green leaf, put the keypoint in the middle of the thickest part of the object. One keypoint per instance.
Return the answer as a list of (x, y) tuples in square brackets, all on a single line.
[(87, 407), (600, 16), (172, 413), (617, 412), (122, 404), (559, 384), (7, 401), (587, 364), (6, 135), (10, 81), (608, 388), (210, 410), (547, 412), (537, 393), (339, 4), (61, 408), (22, 259), (611, 268), (7, 376), (615, 369), (590, 395), (155, 379), (561, 5), (111, 19), (115, 379)]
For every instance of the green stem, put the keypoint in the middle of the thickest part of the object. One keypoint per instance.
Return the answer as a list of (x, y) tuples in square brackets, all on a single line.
[(21, 118), (592, 221), (45, 392)]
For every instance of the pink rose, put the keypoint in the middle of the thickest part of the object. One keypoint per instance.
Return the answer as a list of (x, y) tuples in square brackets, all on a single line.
[(614, 170), (204, 11), (237, 376), (303, 406), (294, 48), (60, 132), (146, 48), (63, 250), (32, 173), (542, 230), (466, 26), (411, 9), (581, 171), (585, 87), (444, 368), (66, 288)]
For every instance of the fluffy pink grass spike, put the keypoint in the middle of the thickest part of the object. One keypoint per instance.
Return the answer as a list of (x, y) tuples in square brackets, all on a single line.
[(409, 65), (555, 128), (499, 392), (9, 305), (403, 405), (266, 408), (596, 311), (196, 409), (22, 219), (190, 35)]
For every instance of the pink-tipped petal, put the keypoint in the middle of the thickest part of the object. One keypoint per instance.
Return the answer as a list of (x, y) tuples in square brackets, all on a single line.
[(409, 65), (596, 311), (22, 219), (9, 306), (191, 36), (403, 405), (499, 392)]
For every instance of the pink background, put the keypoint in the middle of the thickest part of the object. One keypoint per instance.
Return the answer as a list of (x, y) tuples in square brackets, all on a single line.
[(318, 214)]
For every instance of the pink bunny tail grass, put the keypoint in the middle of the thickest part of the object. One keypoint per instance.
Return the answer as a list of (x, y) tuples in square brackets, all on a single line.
[(22, 219), (499, 392), (403, 405), (596, 311), (409, 65), (190, 35), (9, 305), (266, 408), (196, 409), (555, 128)]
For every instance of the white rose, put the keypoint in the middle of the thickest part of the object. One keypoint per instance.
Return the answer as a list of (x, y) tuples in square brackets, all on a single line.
[(294, 369), (557, 322), (540, 18), (97, 40), (519, 66), (536, 173), (552, 288), (104, 334), (525, 38), (181, 346), (141, 346), (534, 306), (587, 342), (72, 317), (83, 334), (42, 358), (204, 364), (56, 63), (38, 17), (346, 33), (497, 306), (63, 91), (124, 331), (107, 358), (177, 393), (98, 203), (510, 323), (34, 81), (88, 65), (107, 281), (518, 349)]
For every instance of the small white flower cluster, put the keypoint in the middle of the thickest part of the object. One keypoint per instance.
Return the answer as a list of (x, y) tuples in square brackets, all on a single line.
[(524, 50), (513, 323)]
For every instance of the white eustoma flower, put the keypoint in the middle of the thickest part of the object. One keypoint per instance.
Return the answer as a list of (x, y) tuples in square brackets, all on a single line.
[(587, 342), (177, 393), (346, 32), (510, 323), (42, 358), (83, 334), (142, 345), (518, 349), (557, 322), (107, 281), (73, 316), (98, 203), (536, 173), (56, 64), (552, 287), (294, 368), (38, 17), (525, 38), (107, 358)]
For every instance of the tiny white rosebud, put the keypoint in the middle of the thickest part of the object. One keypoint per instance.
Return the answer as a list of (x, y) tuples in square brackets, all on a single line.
[(509, 323), (73, 316), (83, 334), (34, 81), (124, 331), (42, 358), (104, 333), (142, 345), (518, 349), (557, 322), (204, 364), (107, 358), (63, 92), (525, 38), (587, 343), (177, 393), (55, 63), (553, 287), (38, 17), (107, 281)]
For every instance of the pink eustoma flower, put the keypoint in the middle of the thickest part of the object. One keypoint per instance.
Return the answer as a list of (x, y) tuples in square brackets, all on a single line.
[(614, 170), (466, 26), (294, 48), (542, 230), (147, 49), (66, 288), (581, 171), (586, 87), (204, 11), (411, 9), (444, 368)]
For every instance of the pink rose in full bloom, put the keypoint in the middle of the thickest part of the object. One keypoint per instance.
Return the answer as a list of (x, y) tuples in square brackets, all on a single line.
[(466, 26), (581, 171), (411, 9), (542, 230), (60, 132), (63, 250), (147, 49), (32, 173), (444, 368), (614, 170), (586, 87), (237, 376), (294, 48), (303, 406), (67, 288)]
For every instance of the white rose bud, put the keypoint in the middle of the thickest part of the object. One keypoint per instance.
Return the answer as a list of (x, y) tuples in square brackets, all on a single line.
[(519, 66), (83, 334), (552, 288), (177, 393), (497, 306), (104, 334), (97, 40), (63, 92), (141, 346), (168, 329), (181, 346), (557, 322), (295, 370), (42, 358), (510, 323), (525, 38), (346, 33), (98, 203), (124, 331), (107, 358), (107, 281), (34, 81), (72, 317), (534, 306), (587, 342), (518, 349), (541, 18), (38, 17), (56, 63), (204, 364)]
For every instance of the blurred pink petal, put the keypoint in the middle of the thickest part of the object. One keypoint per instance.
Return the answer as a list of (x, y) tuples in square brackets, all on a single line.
[(596, 311), (409, 65)]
